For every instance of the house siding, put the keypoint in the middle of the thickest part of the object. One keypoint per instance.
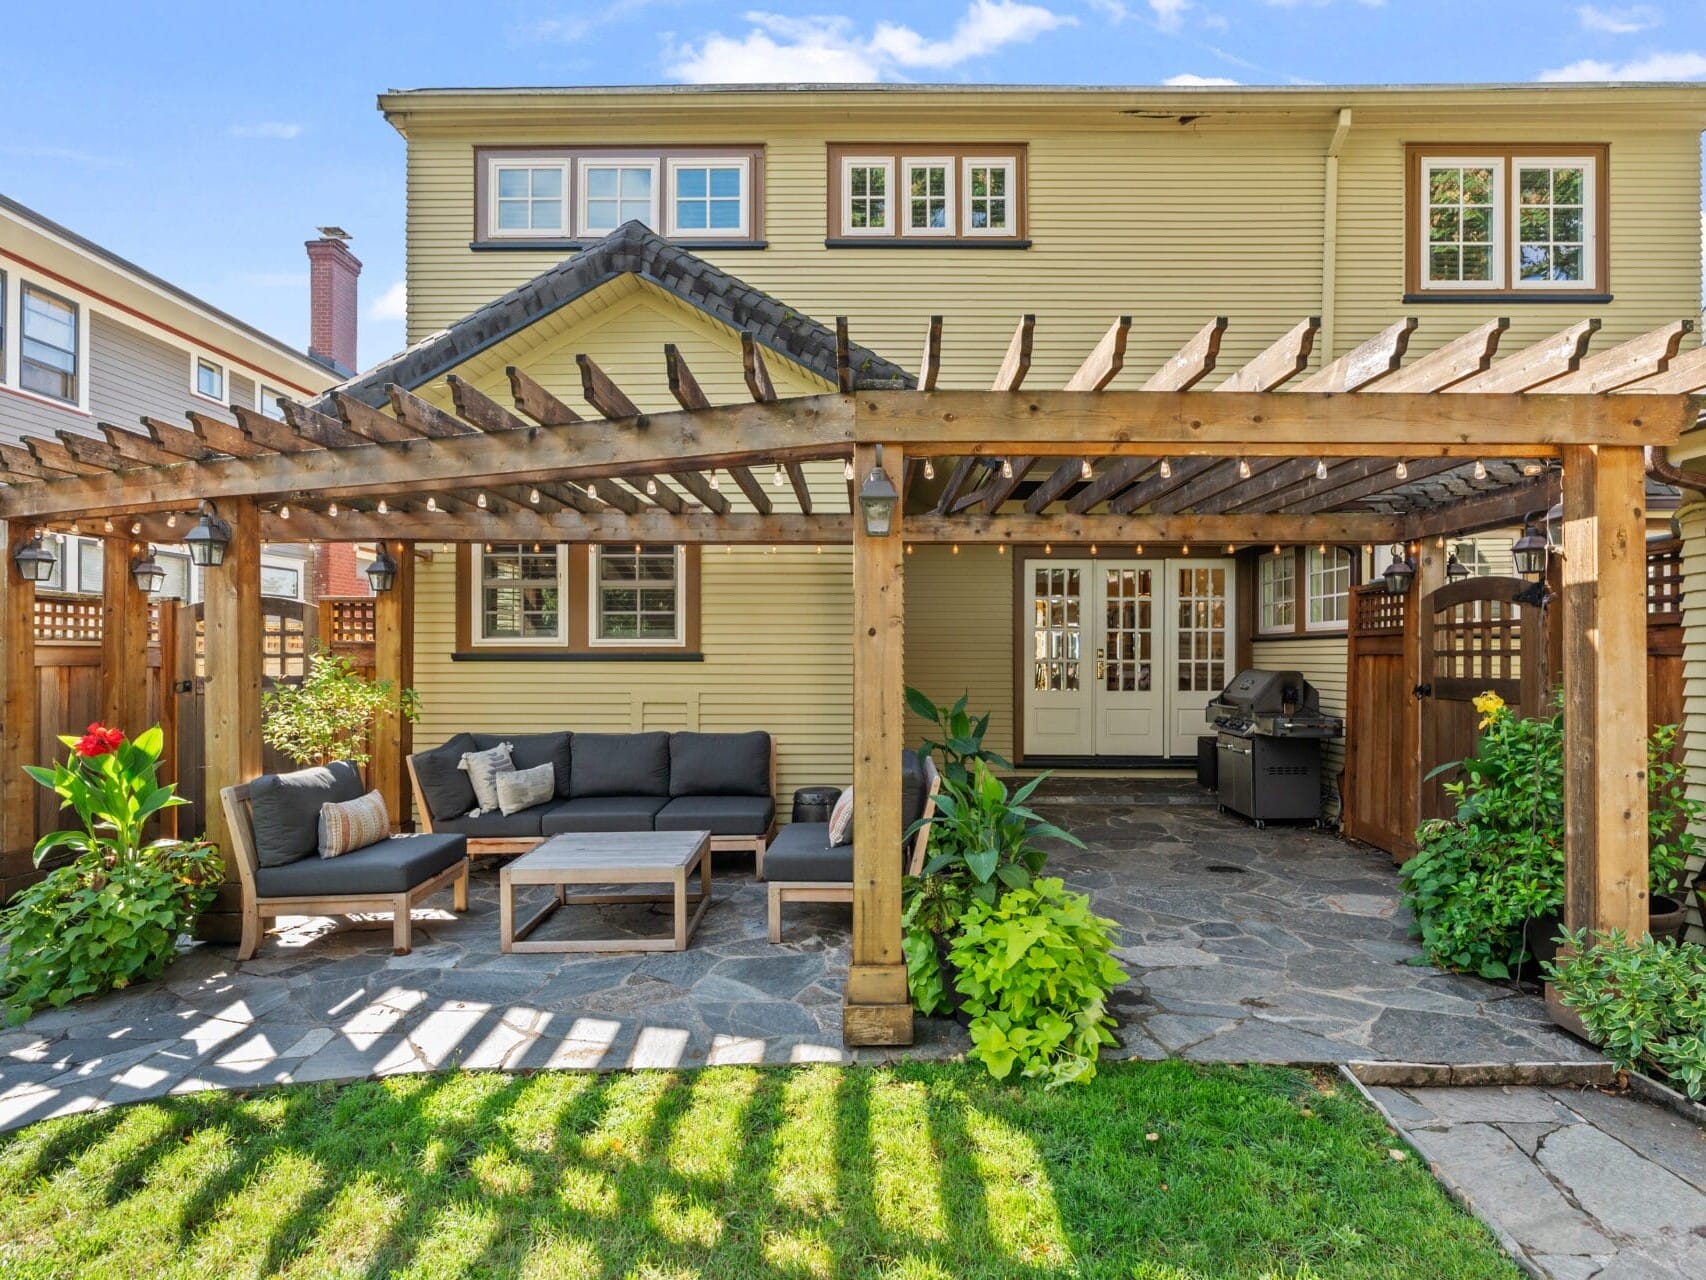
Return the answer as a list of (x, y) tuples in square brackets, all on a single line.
[(1692, 518), (1324, 662)]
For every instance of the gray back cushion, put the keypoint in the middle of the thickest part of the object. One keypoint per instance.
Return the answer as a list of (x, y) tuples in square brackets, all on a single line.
[(619, 764), (286, 809), (530, 750), (719, 764), (444, 787), (911, 788)]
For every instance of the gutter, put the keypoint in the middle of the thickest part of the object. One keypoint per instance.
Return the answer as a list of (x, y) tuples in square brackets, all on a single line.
[(1660, 467), (1330, 234)]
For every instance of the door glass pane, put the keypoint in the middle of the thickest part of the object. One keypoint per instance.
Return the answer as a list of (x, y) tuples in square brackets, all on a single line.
[(1055, 637), (1202, 630), (1126, 632)]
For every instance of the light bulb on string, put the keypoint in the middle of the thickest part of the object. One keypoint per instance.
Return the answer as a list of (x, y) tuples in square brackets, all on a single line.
[(533, 496), (431, 503), (1402, 470), (956, 548), (1092, 548), (651, 487), (929, 470), (1001, 549), (171, 521), (332, 510), (383, 509), (480, 500), (1006, 468), (108, 526), (1166, 469), (1321, 469), (1084, 470), (1480, 472), (713, 480), (847, 469), (135, 527), (1048, 548), (283, 512), (776, 477), (1243, 468), (1137, 550)]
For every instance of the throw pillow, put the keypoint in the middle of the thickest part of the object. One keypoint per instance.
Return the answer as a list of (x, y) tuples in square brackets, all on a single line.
[(482, 768), (348, 825), (523, 788), (841, 820)]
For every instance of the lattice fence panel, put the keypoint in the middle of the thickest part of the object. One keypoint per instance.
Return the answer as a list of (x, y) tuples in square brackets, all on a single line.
[(348, 620), (68, 619), (1376, 611)]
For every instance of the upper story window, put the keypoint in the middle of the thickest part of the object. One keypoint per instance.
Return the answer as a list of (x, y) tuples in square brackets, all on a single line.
[(1508, 220), (1276, 592), (952, 194), (636, 595), (1327, 588), (266, 400), (570, 194), (209, 379), (48, 363)]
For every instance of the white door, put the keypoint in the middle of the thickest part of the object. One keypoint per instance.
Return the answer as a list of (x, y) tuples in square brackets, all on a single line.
[(1199, 644), (1131, 717), (1058, 694)]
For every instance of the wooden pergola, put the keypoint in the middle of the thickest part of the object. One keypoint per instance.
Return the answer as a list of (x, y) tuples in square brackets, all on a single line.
[(1367, 450)]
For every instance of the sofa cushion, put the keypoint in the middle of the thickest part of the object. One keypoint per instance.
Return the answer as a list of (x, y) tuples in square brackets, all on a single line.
[(719, 764), (525, 788), (602, 813), (619, 764), (444, 786), (496, 825), (482, 768), (348, 825), (720, 815), (286, 809), (841, 819), (801, 851), (394, 865), (530, 750)]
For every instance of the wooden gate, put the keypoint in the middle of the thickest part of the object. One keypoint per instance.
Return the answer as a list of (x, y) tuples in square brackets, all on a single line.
[(1378, 789), (287, 626)]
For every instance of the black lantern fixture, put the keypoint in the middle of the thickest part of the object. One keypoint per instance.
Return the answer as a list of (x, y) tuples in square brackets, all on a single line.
[(35, 562), (208, 540), (1528, 553), (877, 500), (382, 573), (1456, 570), (1400, 573), (148, 572)]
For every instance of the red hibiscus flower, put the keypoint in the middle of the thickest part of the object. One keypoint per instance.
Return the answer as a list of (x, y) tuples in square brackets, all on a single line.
[(98, 740)]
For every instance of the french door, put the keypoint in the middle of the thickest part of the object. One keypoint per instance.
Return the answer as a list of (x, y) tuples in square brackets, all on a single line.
[(1123, 655)]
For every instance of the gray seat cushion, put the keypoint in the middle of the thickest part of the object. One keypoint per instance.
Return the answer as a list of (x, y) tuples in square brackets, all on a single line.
[(719, 764), (912, 791), (444, 787), (720, 815), (391, 866), (496, 825), (286, 809), (619, 764), (529, 750), (602, 813), (801, 851)]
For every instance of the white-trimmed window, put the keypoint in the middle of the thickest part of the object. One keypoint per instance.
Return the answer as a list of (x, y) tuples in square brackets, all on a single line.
[(266, 401), (176, 584), (1327, 588), (990, 189), (1464, 243), (1276, 605), (928, 208), (528, 198), (615, 191), (48, 350), (867, 196), (710, 197), (636, 595), (209, 379), (282, 581), (520, 595), (1553, 224)]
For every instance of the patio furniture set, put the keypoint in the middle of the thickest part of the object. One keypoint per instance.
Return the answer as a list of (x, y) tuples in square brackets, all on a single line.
[(590, 809)]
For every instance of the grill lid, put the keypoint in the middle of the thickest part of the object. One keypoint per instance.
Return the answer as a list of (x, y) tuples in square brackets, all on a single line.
[(1267, 693)]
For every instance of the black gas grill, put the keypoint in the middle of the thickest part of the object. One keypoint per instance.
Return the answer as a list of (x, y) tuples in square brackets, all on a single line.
[(1269, 730)]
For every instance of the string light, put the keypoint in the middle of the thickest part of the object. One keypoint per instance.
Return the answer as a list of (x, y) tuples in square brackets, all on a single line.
[(1092, 548), (956, 548), (135, 526), (1480, 469), (1184, 548), (1084, 471), (714, 482), (1243, 468), (1001, 549), (108, 526), (591, 489), (1321, 469), (1322, 548), (1048, 548), (432, 504), (1276, 548), (332, 510), (533, 496), (847, 469), (929, 470), (383, 509), (283, 512), (909, 548), (1402, 470), (171, 522), (776, 477), (1230, 548), (480, 500), (1137, 550), (1166, 469), (1006, 468)]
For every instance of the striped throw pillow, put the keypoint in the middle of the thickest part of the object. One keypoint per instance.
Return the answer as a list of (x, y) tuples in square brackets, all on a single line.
[(841, 819), (353, 824)]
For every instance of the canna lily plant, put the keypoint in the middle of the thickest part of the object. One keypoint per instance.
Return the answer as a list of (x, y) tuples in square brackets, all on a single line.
[(113, 785)]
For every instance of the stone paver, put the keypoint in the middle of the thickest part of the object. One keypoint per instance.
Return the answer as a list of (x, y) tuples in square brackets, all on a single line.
[(1284, 945)]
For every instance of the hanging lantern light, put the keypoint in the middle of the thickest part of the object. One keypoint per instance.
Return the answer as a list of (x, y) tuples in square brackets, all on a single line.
[(148, 572), (1401, 572), (878, 499), (208, 540), (382, 573), (1555, 528), (1528, 553), (35, 562)]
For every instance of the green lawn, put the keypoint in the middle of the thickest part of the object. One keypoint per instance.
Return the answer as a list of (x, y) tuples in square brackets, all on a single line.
[(1157, 1171)]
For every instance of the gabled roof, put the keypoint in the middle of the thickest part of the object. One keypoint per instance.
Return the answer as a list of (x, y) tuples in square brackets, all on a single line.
[(629, 250)]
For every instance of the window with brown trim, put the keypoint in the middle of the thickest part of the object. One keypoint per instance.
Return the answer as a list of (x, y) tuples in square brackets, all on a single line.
[(1302, 591), (574, 600), (1510, 221), (926, 194)]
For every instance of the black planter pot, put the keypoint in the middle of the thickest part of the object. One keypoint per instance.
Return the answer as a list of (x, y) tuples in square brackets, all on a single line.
[(1666, 918), (949, 972)]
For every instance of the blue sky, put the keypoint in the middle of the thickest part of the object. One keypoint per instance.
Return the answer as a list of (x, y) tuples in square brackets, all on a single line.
[(206, 141)]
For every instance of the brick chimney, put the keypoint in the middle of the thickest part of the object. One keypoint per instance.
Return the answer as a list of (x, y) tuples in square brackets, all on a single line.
[(332, 274)]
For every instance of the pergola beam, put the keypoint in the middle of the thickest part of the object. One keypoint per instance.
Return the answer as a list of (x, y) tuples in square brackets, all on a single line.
[(1251, 529), (690, 396), (531, 524), (763, 391), (1492, 510)]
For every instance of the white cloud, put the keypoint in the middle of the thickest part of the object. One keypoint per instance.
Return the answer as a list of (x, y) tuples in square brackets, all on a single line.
[(1169, 14), (1658, 66), (393, 304), (829, 48), (1619, 21), (1187, 80), (284, 129)]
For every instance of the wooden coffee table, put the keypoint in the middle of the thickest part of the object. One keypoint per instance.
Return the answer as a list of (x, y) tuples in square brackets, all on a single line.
[(616, 857)]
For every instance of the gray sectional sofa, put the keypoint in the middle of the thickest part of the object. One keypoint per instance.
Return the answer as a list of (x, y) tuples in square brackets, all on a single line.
[(723, 783)]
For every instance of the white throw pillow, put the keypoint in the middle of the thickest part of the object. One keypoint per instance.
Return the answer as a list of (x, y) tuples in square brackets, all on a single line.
[(348, 825), (841, 819), (523, 788), (482, 768)]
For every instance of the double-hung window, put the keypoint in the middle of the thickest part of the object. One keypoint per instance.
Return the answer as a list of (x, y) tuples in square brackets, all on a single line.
[(867, 196), (709, 198), (636, 595), (929, 208), (520, 595), (529, 198), (1276, 592), (1507, 220), (209, 379), (47, 354), (614, 191), (1327, 588)]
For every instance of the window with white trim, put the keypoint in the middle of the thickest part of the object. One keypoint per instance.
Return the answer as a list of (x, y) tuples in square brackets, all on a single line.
[(952, 192), (209, 379), (929, 209), (1553, 236), (709, 197), (613, 192), (266, 402), (1327, 588), (176, 584), (1276, 605), (520, 596), (91, 564), (282, 581), (989, 190), (867, 196), (48, 352), (636, 595), (528, 198)]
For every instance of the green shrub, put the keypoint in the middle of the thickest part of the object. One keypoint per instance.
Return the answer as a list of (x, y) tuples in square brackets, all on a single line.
[(986, 839), (1643, 1003), (1034, 970), (962, 737), (331, 713)]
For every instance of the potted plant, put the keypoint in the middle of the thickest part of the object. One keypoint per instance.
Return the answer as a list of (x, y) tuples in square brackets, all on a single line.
[(331, 714), (114, 913)]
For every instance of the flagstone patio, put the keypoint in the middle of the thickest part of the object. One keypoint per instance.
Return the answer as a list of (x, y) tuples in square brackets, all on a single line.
[(1284, 945)]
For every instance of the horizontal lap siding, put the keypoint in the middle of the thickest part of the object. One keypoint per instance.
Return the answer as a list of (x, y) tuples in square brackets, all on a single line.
[(129, 373), (959, 635), (1323, 663), (1693, 520)]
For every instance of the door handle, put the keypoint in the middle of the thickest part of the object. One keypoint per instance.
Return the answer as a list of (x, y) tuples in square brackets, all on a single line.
[(1100, 665), (1423, 691)]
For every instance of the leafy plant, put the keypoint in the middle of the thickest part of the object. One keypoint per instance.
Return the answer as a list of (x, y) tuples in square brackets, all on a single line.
[(962, 737), (330, 715), (986, 838), (1643, 1003), (1035, 971), (932, 911), (112, 785)]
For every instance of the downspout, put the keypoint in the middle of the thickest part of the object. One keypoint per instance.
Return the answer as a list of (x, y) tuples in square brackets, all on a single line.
[(1330, 236), (1660, 467)]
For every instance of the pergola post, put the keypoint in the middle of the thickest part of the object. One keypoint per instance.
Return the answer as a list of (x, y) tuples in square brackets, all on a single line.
[(877, 1009), (1605, 692), (231, 740), (18, 728), (394, 660), (124, 640)]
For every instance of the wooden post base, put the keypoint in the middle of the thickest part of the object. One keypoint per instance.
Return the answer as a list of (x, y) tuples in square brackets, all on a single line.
[(875, 1024)]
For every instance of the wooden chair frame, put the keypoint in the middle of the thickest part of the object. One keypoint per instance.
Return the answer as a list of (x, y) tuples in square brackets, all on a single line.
[(239, 816), (782, 891)]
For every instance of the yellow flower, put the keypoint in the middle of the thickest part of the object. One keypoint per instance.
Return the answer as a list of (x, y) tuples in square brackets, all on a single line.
[(1490, 705)]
